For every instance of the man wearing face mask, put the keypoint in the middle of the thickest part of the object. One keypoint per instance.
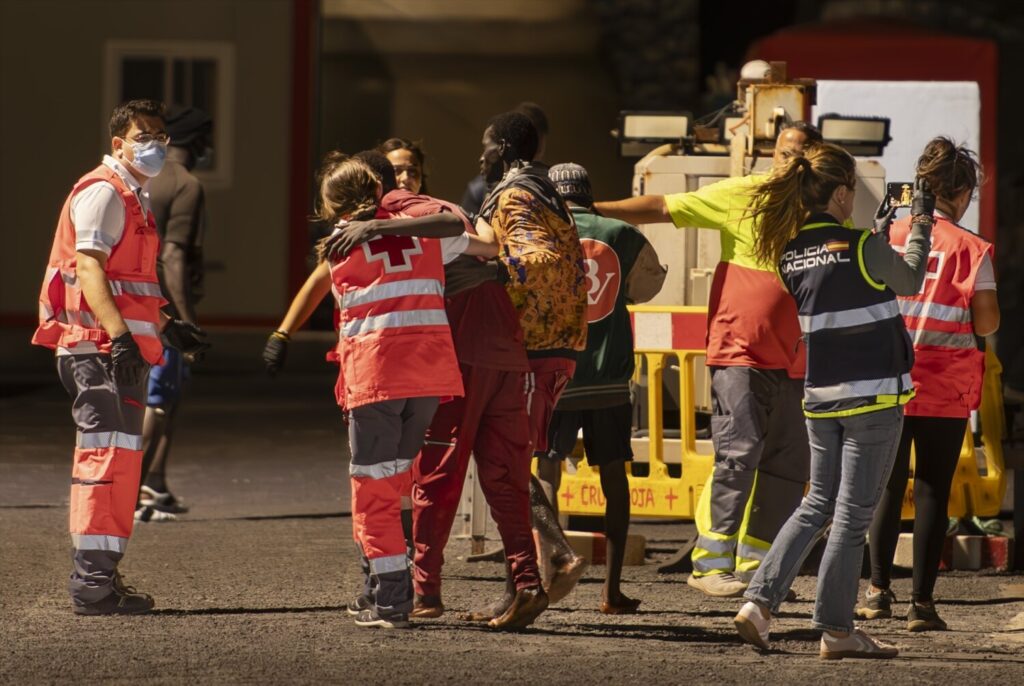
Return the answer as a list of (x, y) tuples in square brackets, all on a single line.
[(99, 309), (178, 203)]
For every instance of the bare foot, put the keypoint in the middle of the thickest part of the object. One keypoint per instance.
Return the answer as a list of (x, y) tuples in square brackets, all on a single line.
[(496, 609), (565, 577), (620, 605)]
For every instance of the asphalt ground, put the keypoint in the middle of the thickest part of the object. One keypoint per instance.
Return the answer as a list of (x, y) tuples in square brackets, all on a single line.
[(251, 584)]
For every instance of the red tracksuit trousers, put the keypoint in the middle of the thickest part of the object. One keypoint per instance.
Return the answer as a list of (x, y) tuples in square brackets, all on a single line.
[(490, 422)]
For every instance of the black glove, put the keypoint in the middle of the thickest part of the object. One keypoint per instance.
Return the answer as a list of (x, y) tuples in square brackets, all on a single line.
[(883, 216), (186, 337), (922, 207), (275, 351), (338, 245), (130, 370)]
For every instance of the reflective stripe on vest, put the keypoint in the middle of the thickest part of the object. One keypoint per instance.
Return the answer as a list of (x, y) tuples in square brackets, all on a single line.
[(845, 318), (137, 326), (381, 470), (933, 310), (114, 544), (945, 339), (394, 320), (857, 389), (391, 289)]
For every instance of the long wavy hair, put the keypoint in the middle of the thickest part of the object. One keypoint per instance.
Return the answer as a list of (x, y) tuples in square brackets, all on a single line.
[(949, 168), (348, 190), (799, 188)]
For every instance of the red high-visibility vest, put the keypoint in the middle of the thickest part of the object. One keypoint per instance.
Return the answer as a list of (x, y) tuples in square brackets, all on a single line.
[(65, 319), (393, 336), (948, 366)]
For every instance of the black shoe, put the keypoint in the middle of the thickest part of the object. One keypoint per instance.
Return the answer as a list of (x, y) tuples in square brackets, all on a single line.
[(123, 600), (876, 605), (356, 606), (371, 617), (923, 617), (161, 501)]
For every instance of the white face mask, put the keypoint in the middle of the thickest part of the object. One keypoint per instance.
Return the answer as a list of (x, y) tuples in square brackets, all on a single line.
[(148, 158)]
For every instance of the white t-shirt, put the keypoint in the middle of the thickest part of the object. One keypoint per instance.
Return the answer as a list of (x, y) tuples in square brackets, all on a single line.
[(98, 213)]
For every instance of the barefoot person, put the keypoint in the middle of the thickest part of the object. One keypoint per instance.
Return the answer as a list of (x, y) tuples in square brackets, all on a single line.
[(859, 357), (622, 268), (541, 251)]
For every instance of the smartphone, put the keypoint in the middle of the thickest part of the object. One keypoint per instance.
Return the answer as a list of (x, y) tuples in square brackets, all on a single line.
[(900, 193)]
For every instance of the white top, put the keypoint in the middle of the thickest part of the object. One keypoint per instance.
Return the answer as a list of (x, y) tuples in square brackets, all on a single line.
[(98, 213)]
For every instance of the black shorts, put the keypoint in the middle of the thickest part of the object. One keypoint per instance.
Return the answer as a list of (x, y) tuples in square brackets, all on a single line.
[(606, 434)]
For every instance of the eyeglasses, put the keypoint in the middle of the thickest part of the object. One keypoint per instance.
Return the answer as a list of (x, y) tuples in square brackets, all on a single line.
[(149, 137)]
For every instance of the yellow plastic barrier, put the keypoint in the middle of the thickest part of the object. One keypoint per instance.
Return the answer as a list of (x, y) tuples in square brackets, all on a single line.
[(664, 333)]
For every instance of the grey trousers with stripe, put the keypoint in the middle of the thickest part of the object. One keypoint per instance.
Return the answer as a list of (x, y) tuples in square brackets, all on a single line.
[(109, 423)]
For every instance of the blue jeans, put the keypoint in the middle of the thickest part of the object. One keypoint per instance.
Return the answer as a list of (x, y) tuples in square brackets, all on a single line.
[(851, 458)]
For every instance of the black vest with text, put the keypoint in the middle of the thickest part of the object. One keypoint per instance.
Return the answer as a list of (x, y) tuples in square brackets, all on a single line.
[(859, 355)]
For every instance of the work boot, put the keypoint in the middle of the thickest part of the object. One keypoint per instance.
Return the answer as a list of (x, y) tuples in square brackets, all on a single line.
[(876, 605), (123, 600), (426, 607), (723, 585), (525, 608), (856, 644), (923, 617)]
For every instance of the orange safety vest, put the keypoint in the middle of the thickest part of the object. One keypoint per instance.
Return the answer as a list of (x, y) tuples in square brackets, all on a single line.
[(65, 319), (393, 336), (948, 366)]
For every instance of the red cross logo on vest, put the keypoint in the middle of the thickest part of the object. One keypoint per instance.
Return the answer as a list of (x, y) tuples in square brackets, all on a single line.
[(395, 252)]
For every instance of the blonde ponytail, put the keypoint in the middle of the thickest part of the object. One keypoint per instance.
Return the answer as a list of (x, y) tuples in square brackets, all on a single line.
[(801, 187)]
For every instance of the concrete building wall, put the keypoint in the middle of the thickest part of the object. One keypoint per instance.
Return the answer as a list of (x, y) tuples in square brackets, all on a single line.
[(53, 117)]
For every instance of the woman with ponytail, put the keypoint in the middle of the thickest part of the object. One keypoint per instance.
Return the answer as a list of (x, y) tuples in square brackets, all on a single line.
[(859, 357), (946, 320), (395, 355)]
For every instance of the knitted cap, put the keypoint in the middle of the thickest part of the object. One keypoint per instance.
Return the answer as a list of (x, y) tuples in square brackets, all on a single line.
[(572, 182)]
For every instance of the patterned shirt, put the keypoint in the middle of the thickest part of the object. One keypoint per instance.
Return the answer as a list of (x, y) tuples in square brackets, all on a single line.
[(547, 282)]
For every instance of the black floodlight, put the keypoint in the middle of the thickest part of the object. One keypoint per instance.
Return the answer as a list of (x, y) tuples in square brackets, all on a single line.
[(863, 136), (641, 132)]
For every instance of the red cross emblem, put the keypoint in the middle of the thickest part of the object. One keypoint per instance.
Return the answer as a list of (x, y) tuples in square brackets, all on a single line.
[(568, 496), (395, 252), (671, 498)]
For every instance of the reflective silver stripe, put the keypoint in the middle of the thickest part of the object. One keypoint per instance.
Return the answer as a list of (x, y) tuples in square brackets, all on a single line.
[(45, 312), (748, 552), (151, 290), (707, 564), (714, 545), (394, 320), (449, 445), (945, 339), (108, 439), (99, 542), (381, 470), (392, 563), (136, 326), (944, 313), (392, 289), (857, 389), (844, 318)]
